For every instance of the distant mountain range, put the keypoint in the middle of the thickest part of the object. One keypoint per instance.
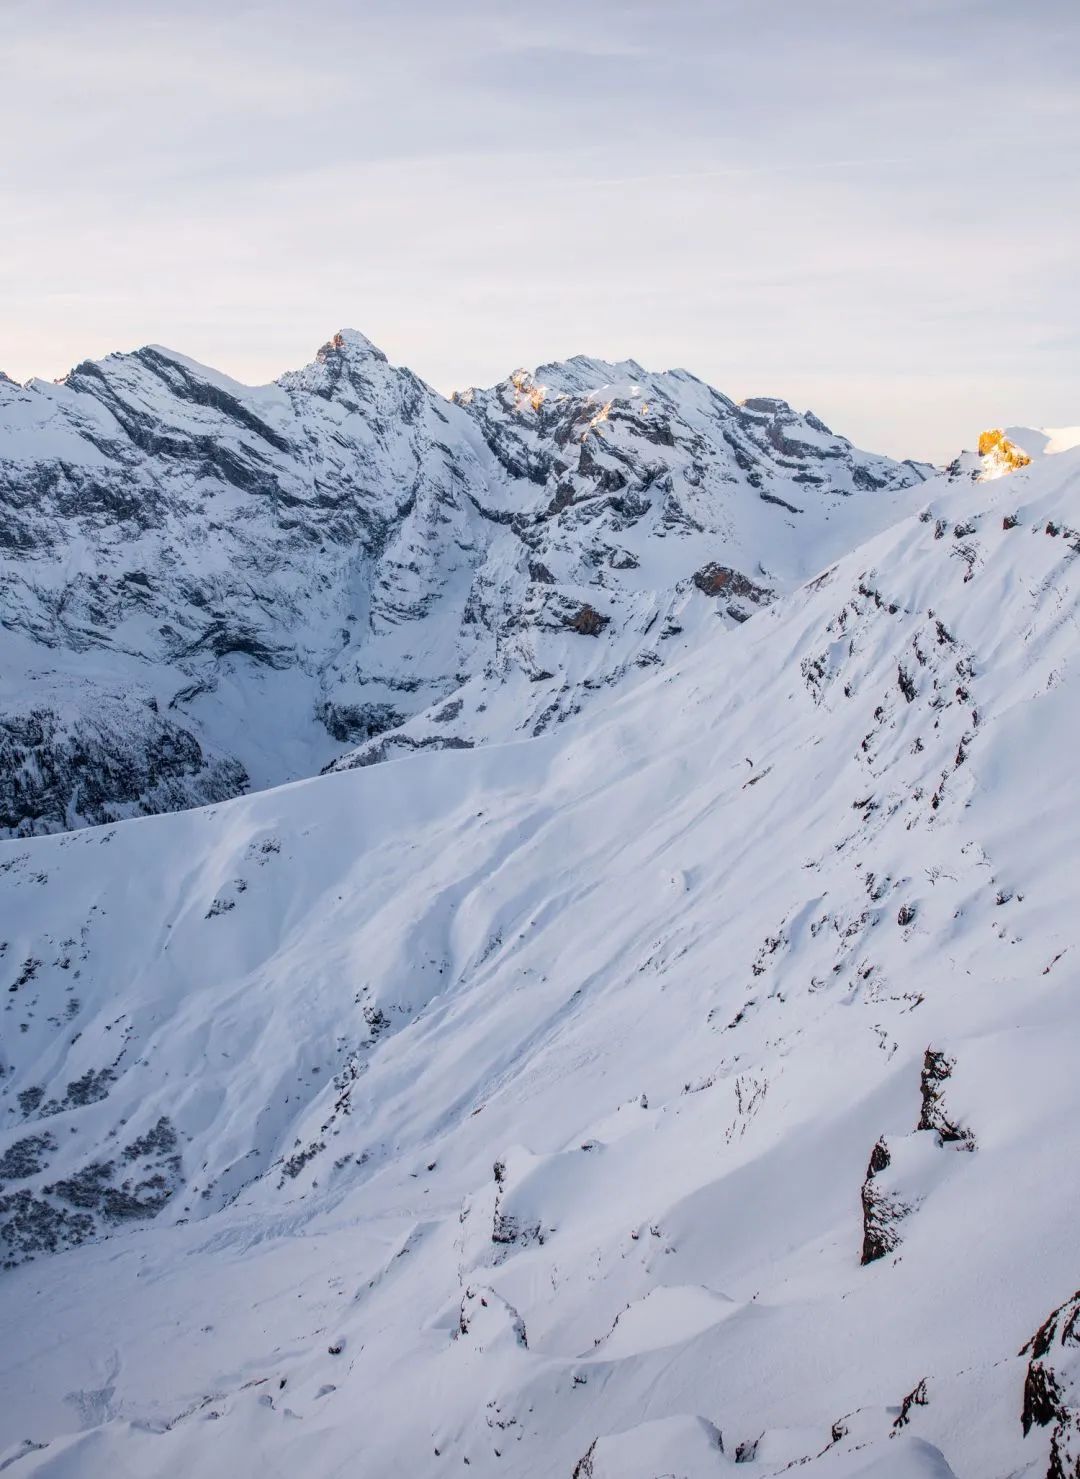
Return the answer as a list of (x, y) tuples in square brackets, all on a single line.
[(664, 1064), (206, 587)]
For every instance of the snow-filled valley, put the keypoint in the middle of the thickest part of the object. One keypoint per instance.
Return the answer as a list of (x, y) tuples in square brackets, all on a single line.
[(685, 1087)]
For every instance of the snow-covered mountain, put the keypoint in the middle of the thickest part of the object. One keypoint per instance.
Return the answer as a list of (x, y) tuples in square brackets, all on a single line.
[(1001, 451), (686, 1089), (206, 587)]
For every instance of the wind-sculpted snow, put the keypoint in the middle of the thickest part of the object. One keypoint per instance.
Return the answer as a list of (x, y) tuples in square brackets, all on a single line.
[(206, 587), (529, 1108)]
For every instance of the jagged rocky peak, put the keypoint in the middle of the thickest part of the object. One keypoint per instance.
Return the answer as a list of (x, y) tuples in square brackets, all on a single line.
[(766, 405), (999, 455), (350, 344), (207, 585), (584, 374), (580, 375), (344, 355), (773, 409), (629, 415), (777, 413), (352, 373), (1000, 452)]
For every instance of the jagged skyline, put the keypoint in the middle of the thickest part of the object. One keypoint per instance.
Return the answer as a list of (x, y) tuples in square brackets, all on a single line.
[(812, 202)]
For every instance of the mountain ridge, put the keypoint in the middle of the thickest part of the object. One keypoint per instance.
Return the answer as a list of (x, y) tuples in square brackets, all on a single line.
[(208, 587), (684, 1090)]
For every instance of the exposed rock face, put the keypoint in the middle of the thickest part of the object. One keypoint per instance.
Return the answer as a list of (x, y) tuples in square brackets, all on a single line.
[(515, 1223), (740, 594), (206, 587), (917, 1397), (588, 622), (903, 1169), (203, 586), (882, 1210), (1052, 1387), (102, 758), (103, 1194), (937, 1069), (999, 455)]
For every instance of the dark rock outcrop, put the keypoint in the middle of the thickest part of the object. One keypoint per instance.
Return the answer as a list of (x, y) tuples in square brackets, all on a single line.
[(882, 1211), (1052, 1387), (936, 1071), (587, 621)]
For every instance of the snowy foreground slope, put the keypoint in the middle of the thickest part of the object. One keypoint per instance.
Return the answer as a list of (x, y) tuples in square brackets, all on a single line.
[(686, 1090), (207, 587)]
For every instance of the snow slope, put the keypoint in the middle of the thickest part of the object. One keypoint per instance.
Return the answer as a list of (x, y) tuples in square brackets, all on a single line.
[(533, 1108), (206, 587), (1044, 441)]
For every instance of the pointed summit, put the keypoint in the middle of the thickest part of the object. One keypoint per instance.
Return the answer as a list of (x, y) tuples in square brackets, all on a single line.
[(347, 358), (999, 455), (351, 345)]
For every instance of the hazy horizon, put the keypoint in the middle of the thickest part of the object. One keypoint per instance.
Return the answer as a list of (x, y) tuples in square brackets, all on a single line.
[(872, 215)]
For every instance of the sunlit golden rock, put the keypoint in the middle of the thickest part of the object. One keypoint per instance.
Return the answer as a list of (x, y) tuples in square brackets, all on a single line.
[(999, 455)]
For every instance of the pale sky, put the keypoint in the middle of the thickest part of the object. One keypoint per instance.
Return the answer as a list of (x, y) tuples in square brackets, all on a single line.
[(869, 207)]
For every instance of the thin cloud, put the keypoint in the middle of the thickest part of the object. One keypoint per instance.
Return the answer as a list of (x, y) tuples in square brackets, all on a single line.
[(830, 201)]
